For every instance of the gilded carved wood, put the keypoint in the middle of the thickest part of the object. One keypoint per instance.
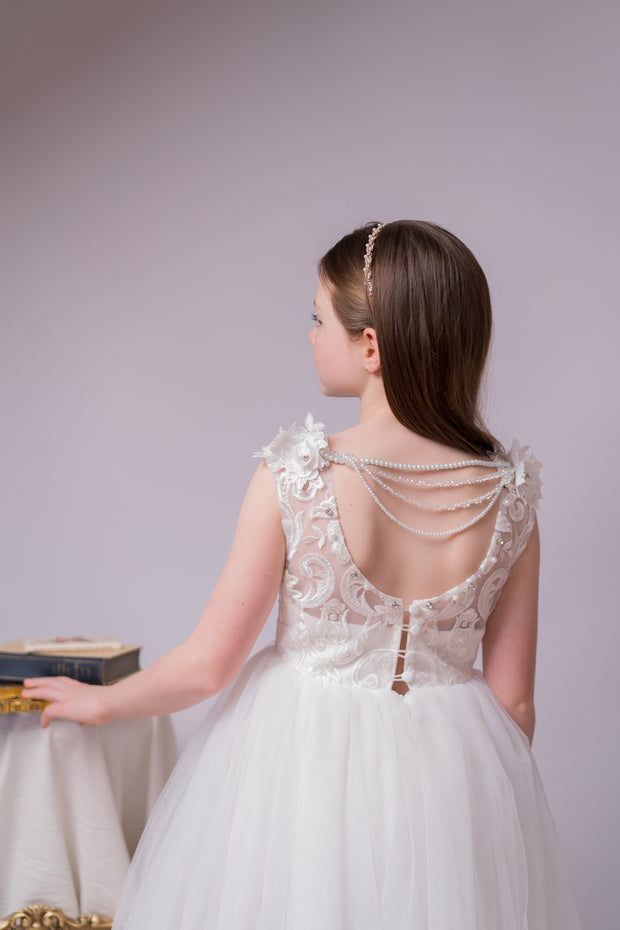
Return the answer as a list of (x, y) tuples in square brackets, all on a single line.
[(43, 917), (11, 701)]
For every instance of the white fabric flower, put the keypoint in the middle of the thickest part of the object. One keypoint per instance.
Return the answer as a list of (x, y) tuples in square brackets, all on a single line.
[(297, 451), (527, 478)]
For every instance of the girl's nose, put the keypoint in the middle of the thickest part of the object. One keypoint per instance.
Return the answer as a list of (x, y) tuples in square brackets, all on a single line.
[(311, 335)]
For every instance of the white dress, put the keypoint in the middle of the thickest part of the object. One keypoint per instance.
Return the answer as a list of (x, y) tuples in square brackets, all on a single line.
[(316, 797)]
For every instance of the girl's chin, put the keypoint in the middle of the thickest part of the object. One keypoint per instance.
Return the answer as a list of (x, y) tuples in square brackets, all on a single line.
[(332, 391)]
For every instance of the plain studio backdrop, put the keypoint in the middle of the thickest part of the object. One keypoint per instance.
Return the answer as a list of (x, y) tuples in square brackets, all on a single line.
[(170, 174)]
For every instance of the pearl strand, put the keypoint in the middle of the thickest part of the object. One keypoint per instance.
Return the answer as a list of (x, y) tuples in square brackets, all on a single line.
[(421, 483), (428, 506), (413, 529), (345, 458)]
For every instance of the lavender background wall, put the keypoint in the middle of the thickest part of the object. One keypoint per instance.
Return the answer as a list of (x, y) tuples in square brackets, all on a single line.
[(169, 175)]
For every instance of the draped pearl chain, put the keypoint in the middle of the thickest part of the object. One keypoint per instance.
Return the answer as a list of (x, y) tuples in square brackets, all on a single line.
[(395, 472)]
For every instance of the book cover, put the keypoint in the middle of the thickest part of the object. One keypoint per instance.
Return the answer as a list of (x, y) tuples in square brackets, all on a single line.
[(93, 666)]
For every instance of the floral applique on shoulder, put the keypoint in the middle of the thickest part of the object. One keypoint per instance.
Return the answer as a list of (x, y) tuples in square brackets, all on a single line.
[(296, 451)]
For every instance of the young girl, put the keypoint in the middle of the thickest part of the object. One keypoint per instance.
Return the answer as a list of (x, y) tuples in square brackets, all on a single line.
[(360, 774)]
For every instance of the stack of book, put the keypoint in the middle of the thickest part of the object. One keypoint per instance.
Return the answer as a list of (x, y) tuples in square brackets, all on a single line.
[(96, 660)]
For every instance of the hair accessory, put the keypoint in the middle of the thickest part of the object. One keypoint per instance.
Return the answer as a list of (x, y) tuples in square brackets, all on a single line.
[(368, 257)]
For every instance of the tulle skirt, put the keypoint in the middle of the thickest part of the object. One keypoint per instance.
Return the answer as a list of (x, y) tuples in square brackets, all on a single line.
[(306, 805)]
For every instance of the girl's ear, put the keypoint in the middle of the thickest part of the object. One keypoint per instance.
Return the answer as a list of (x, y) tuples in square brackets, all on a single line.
[(372, 361)]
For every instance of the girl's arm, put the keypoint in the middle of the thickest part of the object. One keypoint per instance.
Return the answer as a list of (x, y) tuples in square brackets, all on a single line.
[(211, 658), (509, 644)]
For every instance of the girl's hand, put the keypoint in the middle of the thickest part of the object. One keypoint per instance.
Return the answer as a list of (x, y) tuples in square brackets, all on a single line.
[(70, 699)]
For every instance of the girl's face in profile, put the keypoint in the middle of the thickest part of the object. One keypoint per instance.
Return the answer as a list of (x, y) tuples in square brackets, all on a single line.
[(338, 359)]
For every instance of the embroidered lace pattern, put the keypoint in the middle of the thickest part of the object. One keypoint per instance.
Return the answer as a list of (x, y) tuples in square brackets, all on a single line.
[(334, 624)]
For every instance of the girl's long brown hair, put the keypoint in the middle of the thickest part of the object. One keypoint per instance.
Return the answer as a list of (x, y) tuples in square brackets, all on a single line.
[(431, 310)]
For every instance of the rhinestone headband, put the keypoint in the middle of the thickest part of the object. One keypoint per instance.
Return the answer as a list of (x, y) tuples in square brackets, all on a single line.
[(368, 257)]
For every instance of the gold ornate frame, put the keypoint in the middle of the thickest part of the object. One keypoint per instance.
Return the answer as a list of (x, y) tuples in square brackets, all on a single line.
[(11, 702), (40, 916)]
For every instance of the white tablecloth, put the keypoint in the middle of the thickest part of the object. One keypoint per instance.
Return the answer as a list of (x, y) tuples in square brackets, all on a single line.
[(73, 803)]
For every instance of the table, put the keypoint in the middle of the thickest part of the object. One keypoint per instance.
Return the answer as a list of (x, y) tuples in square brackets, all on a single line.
[(73, 803)]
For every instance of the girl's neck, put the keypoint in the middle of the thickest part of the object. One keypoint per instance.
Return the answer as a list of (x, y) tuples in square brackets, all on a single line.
[(379, 430), (374, 408)]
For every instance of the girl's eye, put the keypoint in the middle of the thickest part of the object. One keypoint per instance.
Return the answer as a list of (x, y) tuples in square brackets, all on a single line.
[(316, 320)]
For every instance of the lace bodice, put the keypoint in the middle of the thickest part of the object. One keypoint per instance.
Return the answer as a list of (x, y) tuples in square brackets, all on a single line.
[(334, 624)]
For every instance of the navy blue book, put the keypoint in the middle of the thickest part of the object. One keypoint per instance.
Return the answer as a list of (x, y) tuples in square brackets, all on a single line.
[(94, 666)]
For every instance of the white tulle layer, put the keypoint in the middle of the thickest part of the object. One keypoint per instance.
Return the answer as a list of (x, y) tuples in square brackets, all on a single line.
[(306, 805)]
